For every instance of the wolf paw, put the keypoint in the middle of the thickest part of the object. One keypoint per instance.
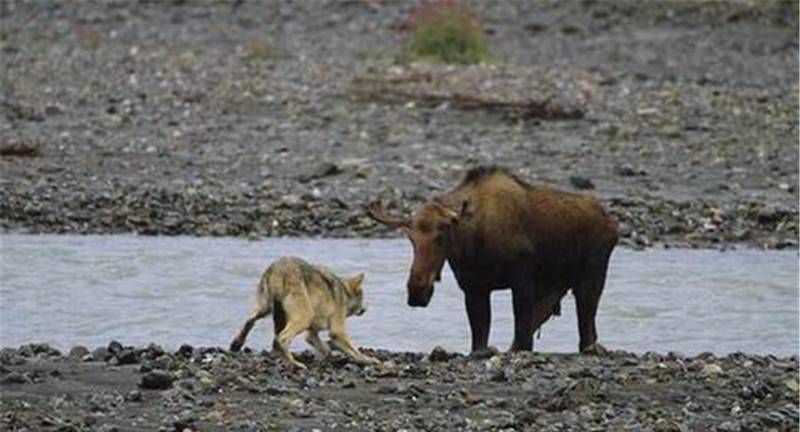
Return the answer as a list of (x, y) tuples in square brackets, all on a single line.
[(371, 361)]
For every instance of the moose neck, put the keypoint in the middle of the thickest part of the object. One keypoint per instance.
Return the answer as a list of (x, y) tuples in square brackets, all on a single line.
[(456, 249)]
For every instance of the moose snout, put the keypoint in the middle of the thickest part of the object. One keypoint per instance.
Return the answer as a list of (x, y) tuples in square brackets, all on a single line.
[(419, 296), (417, 302)]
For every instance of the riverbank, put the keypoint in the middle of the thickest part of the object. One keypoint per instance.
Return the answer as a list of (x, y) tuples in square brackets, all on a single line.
[(170, 118), (148, 388)]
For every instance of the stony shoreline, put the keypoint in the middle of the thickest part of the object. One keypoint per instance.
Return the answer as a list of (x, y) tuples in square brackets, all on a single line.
[(121, 388), (169, 118)]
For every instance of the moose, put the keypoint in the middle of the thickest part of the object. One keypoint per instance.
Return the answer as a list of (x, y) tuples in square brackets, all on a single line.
[(496, 232)]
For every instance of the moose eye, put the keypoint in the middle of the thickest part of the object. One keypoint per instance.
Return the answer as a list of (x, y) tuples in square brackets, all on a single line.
[(438, 239)]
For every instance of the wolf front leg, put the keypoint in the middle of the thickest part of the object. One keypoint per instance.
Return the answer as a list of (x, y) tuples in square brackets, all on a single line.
[(321, 346), (341, 339)]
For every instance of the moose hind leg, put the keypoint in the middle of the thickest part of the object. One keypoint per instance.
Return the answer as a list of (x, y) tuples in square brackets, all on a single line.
[(587, 297)]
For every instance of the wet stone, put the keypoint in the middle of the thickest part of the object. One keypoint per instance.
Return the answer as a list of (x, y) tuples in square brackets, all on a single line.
[(102, 354), (157, 380), (126, 357), (439, 354), (711, 370), (185, 350), (78, 352), (133, 396), (15, 378), (581, 182), (114, 347)]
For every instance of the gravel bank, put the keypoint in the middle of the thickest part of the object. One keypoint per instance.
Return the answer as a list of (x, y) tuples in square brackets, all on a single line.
[(150, 388), (184, 118)]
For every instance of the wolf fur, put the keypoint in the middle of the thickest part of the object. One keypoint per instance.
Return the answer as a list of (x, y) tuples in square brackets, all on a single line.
[(306, 297)]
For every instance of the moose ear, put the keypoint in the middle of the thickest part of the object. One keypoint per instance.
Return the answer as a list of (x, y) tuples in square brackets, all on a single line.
[(465, 213), (451, 216), (454, 218)]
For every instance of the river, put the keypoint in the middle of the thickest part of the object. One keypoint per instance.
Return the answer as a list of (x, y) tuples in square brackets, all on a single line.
[(66, 290)]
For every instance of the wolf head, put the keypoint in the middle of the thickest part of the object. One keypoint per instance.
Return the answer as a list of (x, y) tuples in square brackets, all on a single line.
[(355, 295)]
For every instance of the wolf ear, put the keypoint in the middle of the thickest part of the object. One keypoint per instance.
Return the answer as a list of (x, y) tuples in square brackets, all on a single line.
[(355, 282)]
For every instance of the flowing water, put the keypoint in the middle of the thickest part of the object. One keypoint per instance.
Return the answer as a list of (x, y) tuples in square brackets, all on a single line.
[(88, 290)]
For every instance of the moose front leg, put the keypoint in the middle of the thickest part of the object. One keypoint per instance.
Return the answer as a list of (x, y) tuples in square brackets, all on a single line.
[(479, 312), (522, 299)]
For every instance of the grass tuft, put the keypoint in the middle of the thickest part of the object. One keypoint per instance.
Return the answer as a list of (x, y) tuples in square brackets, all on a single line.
[(447, 31), (258, 50)]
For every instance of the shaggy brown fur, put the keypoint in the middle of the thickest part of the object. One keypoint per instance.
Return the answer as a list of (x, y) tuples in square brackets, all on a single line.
[(496, 231)]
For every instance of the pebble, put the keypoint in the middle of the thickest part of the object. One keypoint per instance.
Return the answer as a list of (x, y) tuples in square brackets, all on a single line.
[(78, 352), (711, 370), (14, 378), (506, 391), (439, 354), (102, 354), (581, 182), (126, 356), (157, 380)]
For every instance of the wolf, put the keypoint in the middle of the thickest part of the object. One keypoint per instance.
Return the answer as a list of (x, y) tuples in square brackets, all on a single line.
[(306, 297)]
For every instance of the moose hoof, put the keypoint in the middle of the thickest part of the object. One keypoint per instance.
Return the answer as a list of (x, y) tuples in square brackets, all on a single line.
[(484, 353), (236, 345), (594, 349)]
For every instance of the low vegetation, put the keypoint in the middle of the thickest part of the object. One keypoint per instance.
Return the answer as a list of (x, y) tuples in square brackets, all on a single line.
[(258, 50), (446, 31)]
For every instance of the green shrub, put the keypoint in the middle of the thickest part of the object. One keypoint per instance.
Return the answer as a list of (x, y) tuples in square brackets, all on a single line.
[(447, 31), (258, 50)]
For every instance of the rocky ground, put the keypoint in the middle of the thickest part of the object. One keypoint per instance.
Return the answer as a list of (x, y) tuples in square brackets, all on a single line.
[(127, 388), (179, 117)]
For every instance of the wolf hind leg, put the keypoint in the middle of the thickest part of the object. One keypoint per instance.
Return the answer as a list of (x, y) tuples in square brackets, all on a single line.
[(257, 313), (262, 306), (298, 319)]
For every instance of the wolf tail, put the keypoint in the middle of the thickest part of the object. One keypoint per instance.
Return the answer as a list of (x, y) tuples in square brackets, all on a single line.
[(265, 294), (262, 306)]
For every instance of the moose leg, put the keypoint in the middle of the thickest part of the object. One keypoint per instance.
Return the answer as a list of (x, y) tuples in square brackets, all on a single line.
[(587, 297), (522, 299), (479, 312)]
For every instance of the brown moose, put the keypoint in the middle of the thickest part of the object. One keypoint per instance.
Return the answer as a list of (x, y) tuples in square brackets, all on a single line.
[(496, 232)]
